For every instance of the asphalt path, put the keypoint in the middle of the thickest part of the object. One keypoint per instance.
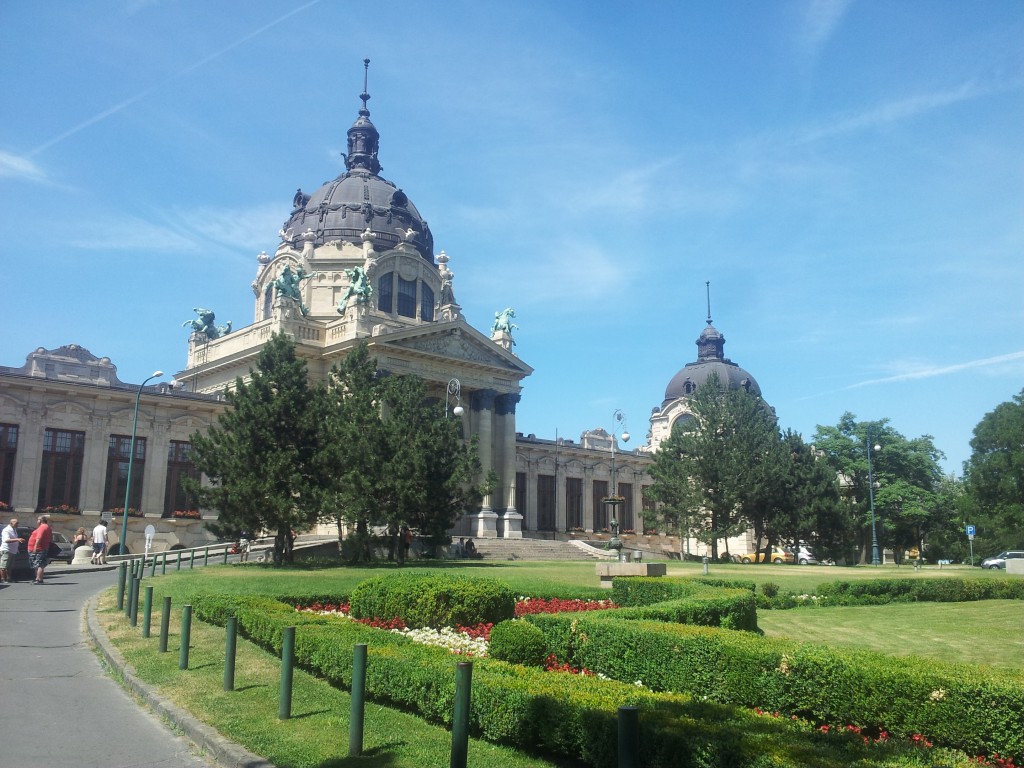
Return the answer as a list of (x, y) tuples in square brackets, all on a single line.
[(58, 705)]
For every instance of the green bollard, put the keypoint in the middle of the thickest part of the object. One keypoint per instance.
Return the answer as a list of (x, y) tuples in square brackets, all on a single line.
[(192, 560), (225, 555), (152, 566), (629, 737), (230, 644), (186, 636), (178, 568), (163, 565), (122, 574), (165, 624), (206, 556), (133, 602), (284, 710), (129, 583), (147, 610), (460, 720), (355, 718)]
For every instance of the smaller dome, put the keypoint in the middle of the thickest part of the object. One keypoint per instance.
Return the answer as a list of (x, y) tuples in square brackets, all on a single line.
[(695, 375)]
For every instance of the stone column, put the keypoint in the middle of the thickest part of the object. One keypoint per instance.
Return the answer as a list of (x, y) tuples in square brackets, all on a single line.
[(28, 463), (561, 513), (505, 408), (482, 403), (94, 469)]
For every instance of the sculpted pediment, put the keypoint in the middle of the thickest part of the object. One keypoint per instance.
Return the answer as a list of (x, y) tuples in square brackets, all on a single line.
[(459, 345)]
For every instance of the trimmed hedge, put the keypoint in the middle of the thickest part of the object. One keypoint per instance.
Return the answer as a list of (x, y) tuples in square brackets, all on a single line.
[(946, 590), (433, 600), (518, 642), (551, 713), (684, 601), (977, 710)]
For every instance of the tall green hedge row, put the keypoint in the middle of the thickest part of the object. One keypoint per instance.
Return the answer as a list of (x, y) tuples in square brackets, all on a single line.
[(433, 600), (554, 714), (976, 710)]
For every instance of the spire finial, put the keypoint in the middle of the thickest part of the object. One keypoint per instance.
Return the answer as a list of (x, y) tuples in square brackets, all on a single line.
[(707, 285), (365, 95)]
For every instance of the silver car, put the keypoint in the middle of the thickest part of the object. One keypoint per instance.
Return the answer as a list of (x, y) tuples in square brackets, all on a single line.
[(999, 561)]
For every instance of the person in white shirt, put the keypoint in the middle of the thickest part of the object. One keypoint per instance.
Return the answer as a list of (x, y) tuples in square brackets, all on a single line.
[(9, 544), (99, 543)]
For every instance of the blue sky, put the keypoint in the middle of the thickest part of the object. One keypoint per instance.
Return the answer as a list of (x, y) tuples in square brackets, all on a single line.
[(847, 175)]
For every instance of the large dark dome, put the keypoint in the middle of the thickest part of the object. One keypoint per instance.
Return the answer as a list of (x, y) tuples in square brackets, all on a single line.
[(710, 359), (360, 199)]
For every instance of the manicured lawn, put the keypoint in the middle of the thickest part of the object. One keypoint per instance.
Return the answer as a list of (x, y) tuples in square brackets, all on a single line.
[(984, 632)]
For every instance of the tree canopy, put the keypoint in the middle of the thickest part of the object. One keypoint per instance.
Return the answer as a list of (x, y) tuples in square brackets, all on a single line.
[(994, 476), (361, 448)]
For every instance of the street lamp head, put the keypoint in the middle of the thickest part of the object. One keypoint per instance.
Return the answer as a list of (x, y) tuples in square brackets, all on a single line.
[(625, 437), (878, 447), (458, 410), (157, 374)]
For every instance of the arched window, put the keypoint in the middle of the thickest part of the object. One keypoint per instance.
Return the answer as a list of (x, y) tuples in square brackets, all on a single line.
[(268, 302)]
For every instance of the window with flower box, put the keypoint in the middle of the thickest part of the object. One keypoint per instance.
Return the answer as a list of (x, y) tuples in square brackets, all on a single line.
[(600, 510), (60, 477), (118, 452), (179, 467), (545, 502), (625, 510)]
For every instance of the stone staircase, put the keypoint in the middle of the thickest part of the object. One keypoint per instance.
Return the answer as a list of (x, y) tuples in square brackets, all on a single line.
[(535, 549)]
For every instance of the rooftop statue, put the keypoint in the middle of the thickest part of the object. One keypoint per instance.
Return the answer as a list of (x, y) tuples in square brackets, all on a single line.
[(359, 289), (503, 321), (205, 324), (287, 285)]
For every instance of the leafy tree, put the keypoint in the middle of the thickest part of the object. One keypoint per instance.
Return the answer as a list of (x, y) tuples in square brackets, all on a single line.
[(259, 457), (905, 473), (715, 470), (995, 476), (390, 456)]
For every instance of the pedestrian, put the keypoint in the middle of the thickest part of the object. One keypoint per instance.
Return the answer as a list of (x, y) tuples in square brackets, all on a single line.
[(405, 542), (460, 548), (81, 539), (99, 543), (244, 545), (470, 548), (10, 542), (39, 547)]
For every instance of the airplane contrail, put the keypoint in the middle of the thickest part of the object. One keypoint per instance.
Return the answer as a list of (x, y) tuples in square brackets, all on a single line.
[(143, 94), (927, 373)]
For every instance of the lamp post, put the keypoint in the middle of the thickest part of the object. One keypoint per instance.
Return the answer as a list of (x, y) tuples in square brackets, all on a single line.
[(613, 500), (620, 417), (871, 501), (454, 390), (131, 461)]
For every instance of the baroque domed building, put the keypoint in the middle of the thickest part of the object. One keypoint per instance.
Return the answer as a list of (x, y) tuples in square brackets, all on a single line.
[(354, 263)]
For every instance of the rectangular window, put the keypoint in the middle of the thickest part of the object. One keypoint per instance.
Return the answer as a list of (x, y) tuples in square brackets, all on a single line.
[(385, 292), (179, 467), (545, 502), (625, 510), (406, 297), (600, 510), (521, 493), (426, 303), (8, 451), (574, 502), (118, 452), (60, 478)]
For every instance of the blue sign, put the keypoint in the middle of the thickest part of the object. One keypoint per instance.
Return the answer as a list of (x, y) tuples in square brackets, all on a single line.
[(970, 530)]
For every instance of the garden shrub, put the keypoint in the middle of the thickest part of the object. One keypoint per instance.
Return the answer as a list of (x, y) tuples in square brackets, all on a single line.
[(686, 601), (518, 642), (942, 590), (977, 710), (433, 600), (769, 589)]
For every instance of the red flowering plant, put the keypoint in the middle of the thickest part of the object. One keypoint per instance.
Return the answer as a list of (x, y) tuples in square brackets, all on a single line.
[(187, 514), (132, 511), (60, 509), (529, 605), (4, 506)]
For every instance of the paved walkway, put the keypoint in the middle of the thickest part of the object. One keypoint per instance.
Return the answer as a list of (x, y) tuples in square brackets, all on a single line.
[(58, 706)]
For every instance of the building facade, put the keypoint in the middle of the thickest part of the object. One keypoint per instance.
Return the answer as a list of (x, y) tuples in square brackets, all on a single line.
[(354, 263)]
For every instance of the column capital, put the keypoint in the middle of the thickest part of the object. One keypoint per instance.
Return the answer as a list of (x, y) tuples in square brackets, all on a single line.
[(483, 399), (506, 404)]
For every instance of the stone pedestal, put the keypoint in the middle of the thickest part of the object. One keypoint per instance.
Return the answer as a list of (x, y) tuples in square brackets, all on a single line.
[(513, 525), (485, 525), (83, 555), (608, 571)]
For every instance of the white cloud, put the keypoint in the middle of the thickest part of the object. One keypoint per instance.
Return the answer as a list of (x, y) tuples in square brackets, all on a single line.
[(17, 167), (820, 20)]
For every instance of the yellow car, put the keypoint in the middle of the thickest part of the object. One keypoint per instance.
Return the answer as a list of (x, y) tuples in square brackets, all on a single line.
[(778, 555)]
